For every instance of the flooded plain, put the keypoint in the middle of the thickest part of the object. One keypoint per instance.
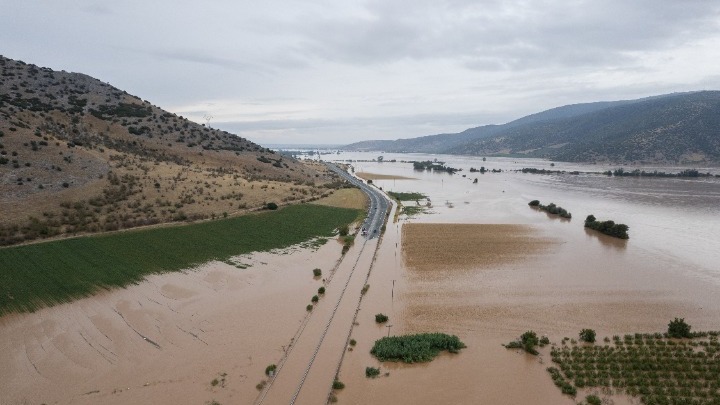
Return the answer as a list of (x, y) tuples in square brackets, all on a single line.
[(530, 271), (480, 263)]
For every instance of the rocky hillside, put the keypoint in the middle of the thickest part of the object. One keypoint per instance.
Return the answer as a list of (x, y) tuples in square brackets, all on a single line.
[(79, 156), (676, 128)]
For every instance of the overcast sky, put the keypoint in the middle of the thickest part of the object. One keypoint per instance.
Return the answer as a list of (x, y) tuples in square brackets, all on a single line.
[(280, 71)]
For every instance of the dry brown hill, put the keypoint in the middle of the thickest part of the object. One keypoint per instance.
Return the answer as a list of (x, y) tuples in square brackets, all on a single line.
[(80, 156)]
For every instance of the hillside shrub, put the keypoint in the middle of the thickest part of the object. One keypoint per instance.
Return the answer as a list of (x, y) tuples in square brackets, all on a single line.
[(381, 318), (271, 206), (317, 272)]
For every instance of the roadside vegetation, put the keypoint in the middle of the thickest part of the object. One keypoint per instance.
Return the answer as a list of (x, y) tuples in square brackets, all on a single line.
[(50, 273), (417, 348), (409, 210)]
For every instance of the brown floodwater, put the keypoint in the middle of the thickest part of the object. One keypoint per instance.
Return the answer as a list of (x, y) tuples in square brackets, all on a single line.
[(203, 335), (481, 265), (579, 279)]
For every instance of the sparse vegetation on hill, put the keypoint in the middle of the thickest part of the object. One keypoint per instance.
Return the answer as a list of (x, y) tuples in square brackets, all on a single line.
[(79, 156), (49, 273)]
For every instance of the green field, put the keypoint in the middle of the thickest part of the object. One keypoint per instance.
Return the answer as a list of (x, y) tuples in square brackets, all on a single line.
[(46, 274), (407, 196)]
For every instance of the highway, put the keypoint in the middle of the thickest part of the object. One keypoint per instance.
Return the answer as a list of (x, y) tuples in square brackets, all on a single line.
[(379, 205), (305, 374)]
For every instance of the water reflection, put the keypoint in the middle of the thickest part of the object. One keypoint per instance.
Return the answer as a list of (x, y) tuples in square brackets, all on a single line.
[(606, 241)]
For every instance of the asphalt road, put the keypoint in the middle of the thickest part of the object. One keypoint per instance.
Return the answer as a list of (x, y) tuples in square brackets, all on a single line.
[(379, 205)]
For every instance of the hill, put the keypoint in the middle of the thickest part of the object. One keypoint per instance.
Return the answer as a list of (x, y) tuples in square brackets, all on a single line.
[(679, 128), (80, 156)]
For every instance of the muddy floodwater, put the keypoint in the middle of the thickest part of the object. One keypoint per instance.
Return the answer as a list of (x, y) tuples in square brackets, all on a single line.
[(479, 263), (517, 269)]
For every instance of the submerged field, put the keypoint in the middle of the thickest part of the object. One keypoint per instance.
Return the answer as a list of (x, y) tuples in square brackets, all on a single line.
[(45, 274)]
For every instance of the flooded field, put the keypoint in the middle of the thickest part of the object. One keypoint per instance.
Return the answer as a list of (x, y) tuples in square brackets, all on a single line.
[(530, 271), (480, 264)]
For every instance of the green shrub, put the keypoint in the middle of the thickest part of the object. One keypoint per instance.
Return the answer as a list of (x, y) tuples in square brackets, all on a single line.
[(587, 335), (677, 328), (344, 230), (271, 206), (421, 347), (381, 318), (309, 307), (593, 400), (527, 342), (534, 203), (609, 228), (315, 299), (353, 342), (372, 372), (338, 385), (270, 370), (317, 272), (321, 290)]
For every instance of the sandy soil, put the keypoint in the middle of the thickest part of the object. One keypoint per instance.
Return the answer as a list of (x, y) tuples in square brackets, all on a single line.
[(165, 340), (376, 176)]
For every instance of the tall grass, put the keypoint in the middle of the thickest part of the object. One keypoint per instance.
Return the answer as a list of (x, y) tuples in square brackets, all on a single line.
[(46, 274)]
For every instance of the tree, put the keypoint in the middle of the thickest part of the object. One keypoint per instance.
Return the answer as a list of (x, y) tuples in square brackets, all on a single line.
[(679, 329), (587, 335), (529, 340), (271, 206)]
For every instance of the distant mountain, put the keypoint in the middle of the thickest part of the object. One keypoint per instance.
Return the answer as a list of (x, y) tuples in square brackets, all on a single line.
[(681, 128), (80, 156)]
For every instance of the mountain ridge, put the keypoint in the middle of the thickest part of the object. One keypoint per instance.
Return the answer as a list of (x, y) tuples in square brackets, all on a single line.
[(677, 128), (78, 155)]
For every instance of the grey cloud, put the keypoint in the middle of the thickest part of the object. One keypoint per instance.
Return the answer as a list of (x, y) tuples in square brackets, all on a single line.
[(579, 33)]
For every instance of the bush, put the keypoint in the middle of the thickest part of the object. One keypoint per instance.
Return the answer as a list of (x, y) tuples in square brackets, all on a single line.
[(527, 342), (315, 299), (317, 272), (338, 385), (271, 206), (679, 329), (372, 372), (422, 347), (353, 342), (270, 370), (381, 318), (609, 228), (309, 307), (587, 335), (534, 203), (321, 290), (593, 400), (344, 230)]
